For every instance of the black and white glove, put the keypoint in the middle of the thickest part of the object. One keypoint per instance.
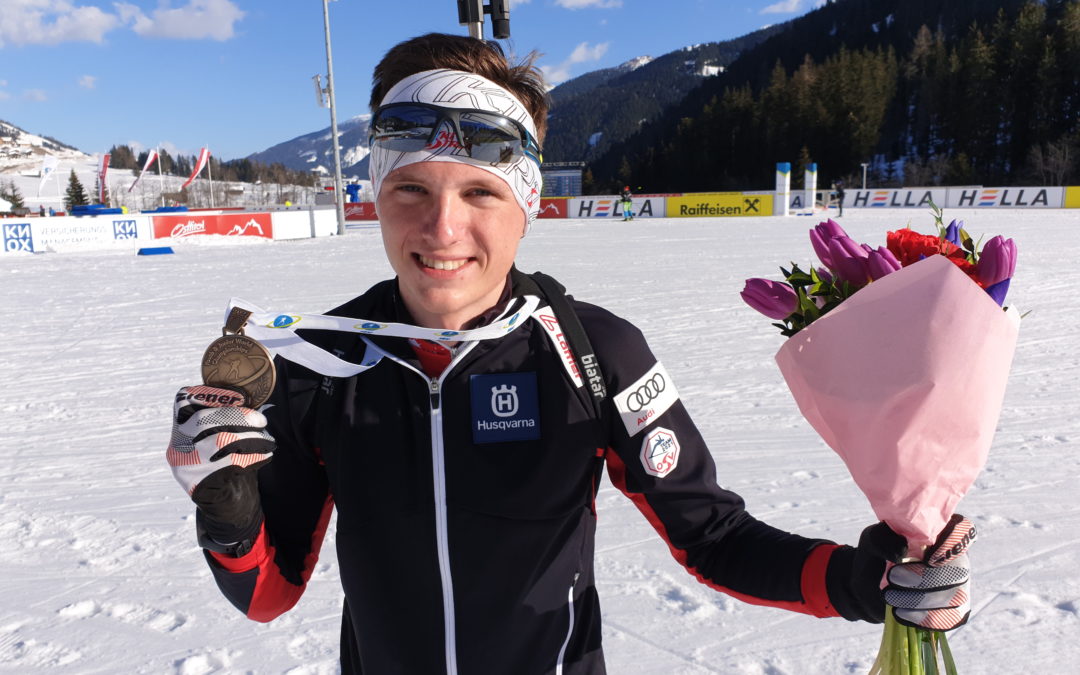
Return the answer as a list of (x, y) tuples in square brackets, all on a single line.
[(933, 593), (216, 447)]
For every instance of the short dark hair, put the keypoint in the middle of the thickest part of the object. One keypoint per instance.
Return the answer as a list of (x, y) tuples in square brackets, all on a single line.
[(458, 52)]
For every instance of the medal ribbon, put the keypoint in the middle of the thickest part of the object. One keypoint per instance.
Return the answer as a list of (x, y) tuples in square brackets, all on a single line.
[(277, 332)]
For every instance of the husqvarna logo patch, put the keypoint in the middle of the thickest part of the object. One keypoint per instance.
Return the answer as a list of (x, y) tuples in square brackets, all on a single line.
[(504, 401), (505, 407)]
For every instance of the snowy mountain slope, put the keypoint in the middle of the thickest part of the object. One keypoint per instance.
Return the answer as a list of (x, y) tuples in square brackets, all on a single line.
[(316, 149)]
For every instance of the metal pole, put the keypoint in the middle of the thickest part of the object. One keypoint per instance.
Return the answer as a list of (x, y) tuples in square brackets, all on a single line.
[(864, 165), (339, 200)]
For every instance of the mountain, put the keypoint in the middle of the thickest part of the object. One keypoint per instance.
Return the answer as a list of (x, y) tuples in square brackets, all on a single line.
[(592, 112), (927, 92), (315, 151), (21, 150)]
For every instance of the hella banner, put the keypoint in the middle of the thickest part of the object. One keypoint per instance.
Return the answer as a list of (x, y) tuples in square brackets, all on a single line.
[(360, 211), (551, 207), (103, 170), (225, 224), (149, 160), (1007, 198), (611, 207), (894, 199), (204, 156)]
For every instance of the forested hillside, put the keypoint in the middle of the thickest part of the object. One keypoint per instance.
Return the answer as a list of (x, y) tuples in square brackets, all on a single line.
[(615, 102), (927, 91)]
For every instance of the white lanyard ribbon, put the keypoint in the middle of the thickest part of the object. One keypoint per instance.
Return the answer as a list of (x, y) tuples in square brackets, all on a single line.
[(277, 332)]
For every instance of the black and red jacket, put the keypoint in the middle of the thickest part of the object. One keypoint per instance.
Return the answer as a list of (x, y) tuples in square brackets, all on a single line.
[(465, 502)]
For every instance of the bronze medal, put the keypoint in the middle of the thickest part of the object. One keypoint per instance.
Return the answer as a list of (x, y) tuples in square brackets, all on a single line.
[(235, 361)]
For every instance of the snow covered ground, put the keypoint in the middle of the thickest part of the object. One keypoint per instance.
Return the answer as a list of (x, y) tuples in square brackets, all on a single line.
[(100, 572)]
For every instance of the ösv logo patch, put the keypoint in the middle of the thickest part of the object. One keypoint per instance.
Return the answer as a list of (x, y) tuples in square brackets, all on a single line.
[(505, 407)]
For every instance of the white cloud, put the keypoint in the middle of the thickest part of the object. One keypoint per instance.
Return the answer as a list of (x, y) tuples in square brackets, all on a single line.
[(37, 95), (25, 22), (4, 96), (584, 4), (198, 19), (783, 7), (52, 22), (583, 53), (87, 81)]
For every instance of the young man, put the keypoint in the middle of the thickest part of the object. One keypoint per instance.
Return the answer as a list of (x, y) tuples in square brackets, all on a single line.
[(464, 473)]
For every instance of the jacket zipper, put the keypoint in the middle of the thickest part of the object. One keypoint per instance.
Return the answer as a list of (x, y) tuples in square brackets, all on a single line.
[(569, 624), (438, 466)]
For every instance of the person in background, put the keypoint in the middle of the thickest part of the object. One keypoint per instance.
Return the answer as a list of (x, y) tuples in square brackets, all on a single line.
[(627, 200), (839, 187), (464, 466)]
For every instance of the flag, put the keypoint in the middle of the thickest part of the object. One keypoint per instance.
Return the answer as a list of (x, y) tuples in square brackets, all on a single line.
[(102, 171), (204, 156), (149, 161), (48, 166)]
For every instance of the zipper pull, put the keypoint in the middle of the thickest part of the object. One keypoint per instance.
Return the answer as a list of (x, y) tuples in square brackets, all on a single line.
[(433, 389)]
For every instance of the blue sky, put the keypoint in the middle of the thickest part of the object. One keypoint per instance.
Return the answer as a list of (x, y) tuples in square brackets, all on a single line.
[(236, 74)]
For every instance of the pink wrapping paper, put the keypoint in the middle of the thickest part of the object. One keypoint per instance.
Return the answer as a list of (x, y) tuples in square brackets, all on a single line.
[(905, 381)]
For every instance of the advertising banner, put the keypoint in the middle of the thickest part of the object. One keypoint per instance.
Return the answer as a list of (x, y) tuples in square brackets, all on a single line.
[(226, 224), (1007, 198), (653, 206), (553, 207), (1072, 197), (18, 237), (714, 204), (71, 234), (895, 199), (360, 211)]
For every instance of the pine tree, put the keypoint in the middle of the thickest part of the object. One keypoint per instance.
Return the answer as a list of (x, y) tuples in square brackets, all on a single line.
[(12, 194), (76, 194)]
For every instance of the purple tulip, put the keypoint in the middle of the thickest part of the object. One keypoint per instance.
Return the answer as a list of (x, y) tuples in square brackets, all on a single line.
[(849, 260), (952, 232), (998, 291), (774, 299), (825, 275), (820, 236), (881, 262), (997, 261)]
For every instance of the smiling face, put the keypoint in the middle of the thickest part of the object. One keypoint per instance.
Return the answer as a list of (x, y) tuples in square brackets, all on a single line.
[(451, 232)]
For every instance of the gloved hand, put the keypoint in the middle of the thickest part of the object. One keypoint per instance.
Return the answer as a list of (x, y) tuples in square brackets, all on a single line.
[(936, 592), (215, 449), (932, 593)]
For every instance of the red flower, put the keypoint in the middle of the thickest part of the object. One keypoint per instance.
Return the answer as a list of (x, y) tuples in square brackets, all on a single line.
[(910, 247)]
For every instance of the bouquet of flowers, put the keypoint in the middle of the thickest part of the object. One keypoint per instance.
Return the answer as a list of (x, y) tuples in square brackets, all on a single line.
[(898, 357)]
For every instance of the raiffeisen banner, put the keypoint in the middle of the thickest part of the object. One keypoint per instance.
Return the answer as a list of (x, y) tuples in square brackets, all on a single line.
[(651, 206), (895, 199), (713, 204)]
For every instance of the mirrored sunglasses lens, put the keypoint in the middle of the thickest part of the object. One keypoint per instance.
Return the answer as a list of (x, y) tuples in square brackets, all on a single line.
[(404, 129), (491, 138)]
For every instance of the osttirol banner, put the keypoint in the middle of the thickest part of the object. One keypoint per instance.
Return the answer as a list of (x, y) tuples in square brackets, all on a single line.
[(713, 204)]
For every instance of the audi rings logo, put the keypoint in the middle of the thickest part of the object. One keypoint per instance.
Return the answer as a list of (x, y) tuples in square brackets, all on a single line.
[(646, 393)]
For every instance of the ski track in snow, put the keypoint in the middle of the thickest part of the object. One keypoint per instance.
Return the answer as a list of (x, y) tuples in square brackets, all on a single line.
[(100, 572)]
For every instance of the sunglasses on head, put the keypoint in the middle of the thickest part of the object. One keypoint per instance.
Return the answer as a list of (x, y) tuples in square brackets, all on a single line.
[(483, 135)]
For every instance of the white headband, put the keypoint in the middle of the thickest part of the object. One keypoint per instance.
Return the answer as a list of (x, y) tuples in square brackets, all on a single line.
[(457, 89)]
